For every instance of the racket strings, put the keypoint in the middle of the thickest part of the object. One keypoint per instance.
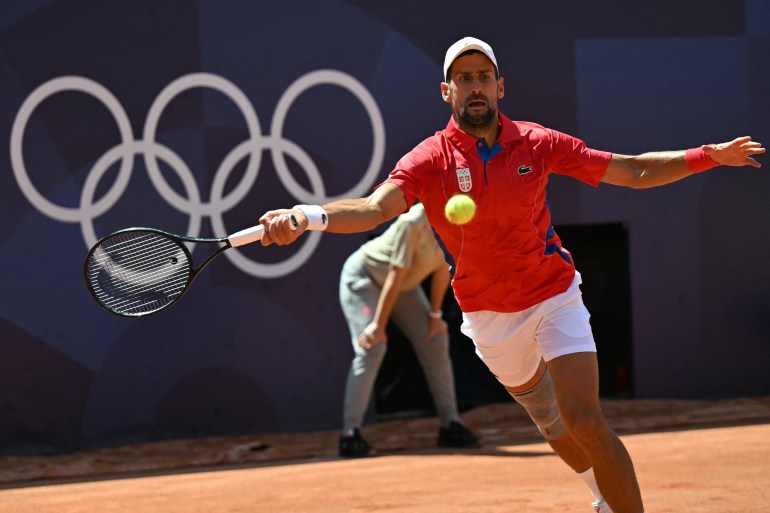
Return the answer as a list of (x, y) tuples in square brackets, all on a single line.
[(130, 283), (138, 259), (138, 272), (132, 288)]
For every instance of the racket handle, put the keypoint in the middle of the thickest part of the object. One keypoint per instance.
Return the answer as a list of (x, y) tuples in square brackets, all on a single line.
[(254, 234), (246, 236)]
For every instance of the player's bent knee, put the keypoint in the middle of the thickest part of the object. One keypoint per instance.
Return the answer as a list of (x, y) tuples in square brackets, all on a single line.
[(540, 403), (585, 425)]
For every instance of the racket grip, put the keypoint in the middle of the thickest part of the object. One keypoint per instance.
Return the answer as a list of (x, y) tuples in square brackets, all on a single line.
[(254, 234), (246, 236)]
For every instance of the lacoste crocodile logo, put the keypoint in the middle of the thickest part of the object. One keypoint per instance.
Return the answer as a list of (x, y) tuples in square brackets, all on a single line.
[(523, 170)]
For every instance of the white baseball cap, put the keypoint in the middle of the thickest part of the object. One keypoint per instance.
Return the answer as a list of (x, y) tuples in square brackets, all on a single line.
[(465, 44)]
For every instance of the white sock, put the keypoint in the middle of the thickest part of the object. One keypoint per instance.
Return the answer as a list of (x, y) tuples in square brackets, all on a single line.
[(590, 480)]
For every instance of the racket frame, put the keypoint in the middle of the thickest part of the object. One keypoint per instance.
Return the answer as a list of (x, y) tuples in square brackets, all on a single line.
[(234, 240), (179, 239)]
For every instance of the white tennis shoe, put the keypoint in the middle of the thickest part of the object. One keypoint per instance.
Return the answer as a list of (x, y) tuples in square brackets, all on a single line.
[(601, 506)]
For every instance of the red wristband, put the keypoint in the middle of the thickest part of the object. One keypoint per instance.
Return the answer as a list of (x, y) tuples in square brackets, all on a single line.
[(697, 160)]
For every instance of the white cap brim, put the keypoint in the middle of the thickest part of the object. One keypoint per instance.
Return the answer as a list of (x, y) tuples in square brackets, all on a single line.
[(465, 44)]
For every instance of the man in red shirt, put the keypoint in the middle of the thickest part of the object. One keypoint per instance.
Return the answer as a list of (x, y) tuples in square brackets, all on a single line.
[(517, 287)]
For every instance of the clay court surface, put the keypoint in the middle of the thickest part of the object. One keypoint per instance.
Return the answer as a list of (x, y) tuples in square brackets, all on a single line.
[(702, 456)]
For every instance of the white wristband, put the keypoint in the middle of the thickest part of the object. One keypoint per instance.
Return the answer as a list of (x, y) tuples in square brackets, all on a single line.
[(317, 219), (437, 314)]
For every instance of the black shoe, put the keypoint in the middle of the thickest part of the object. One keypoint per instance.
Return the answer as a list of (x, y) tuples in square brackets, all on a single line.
[(457, 435), (354, 446)]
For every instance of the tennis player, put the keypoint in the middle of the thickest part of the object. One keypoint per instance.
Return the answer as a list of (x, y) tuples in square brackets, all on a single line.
[(516, 285)]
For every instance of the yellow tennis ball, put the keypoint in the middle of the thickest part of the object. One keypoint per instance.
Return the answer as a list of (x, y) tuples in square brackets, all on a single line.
[(460, 209)]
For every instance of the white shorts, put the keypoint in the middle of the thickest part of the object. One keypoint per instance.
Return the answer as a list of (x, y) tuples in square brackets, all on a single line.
[(512, 344)]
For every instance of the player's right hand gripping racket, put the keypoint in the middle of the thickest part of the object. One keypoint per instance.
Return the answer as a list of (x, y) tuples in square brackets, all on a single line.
[(141, 271)]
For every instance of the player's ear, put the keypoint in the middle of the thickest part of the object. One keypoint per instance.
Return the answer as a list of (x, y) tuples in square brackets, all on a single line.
[(445, 92), (500, 88)]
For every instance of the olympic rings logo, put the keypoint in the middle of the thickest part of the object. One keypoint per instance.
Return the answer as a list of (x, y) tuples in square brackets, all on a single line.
[(192, 204)]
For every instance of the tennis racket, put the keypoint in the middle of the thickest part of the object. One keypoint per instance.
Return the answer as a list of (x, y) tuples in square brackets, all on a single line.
[(141, 271)]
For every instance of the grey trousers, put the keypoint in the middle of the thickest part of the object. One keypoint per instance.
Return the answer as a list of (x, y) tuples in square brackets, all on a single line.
[(358, 297)]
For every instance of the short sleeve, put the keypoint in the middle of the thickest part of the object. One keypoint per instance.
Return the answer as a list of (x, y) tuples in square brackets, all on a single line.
[(570, 156), (412, 171)]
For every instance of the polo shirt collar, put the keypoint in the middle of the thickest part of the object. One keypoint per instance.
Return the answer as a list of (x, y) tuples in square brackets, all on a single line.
[(508, 134)]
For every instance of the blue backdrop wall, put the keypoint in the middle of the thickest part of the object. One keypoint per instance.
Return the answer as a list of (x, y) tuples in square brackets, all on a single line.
[(198, 116)]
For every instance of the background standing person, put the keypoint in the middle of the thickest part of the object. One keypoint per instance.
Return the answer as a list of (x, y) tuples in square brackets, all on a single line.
[(382, 280), (516, 285)]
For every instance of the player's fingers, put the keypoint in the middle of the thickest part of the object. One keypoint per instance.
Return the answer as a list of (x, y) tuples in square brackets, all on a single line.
[(273, 232), (753, 163), (741, 140), (266, 221), (284, 230), (270, 236), (752, 147), (270, 214), (266, 240)]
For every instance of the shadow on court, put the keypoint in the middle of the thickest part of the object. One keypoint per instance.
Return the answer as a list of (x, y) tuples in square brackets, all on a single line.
[(504, 427), (708, 470)]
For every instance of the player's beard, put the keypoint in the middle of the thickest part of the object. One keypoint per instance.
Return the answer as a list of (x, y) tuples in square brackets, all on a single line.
[(473, 122)]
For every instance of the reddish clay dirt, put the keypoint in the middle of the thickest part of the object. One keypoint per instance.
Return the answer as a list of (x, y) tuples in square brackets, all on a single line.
[(701, 456)]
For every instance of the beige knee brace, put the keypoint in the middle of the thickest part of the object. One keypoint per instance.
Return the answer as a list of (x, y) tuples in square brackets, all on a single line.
[(540, 403)]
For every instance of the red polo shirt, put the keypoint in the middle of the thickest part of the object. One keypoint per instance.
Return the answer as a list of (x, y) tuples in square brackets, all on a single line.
[(508, 258)]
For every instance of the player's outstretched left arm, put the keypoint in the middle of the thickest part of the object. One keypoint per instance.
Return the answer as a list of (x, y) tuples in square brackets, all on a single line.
[(341, 216), (663, 167)]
